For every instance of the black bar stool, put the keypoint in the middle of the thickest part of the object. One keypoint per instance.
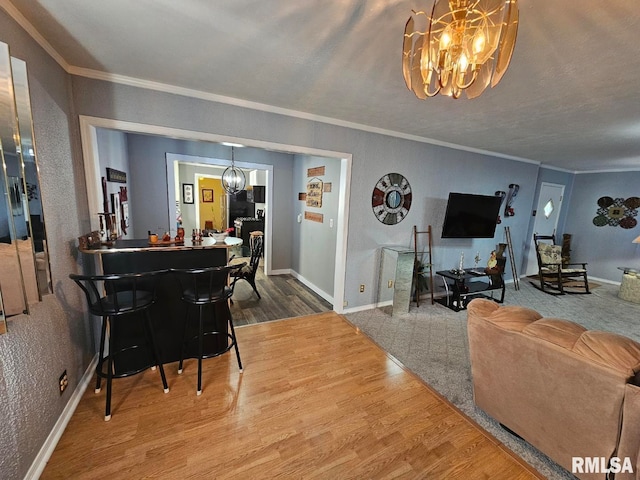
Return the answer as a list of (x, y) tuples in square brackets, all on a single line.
[(207, 288), (248, 272), (113, 297)]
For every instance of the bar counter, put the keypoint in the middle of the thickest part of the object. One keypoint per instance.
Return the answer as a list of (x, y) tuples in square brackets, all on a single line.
[(168, 313), (137, 245)]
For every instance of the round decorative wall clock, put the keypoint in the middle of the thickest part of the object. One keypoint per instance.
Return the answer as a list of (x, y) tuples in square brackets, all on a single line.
[(391, 198)]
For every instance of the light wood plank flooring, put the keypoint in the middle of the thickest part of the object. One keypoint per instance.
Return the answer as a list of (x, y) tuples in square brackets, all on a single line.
[(282, 297), (317, 400)]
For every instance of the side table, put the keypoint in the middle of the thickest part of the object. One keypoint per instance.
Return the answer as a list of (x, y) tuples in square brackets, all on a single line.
[(462, 286)]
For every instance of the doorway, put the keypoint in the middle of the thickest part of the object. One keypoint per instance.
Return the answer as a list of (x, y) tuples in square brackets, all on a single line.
[(546, 219), (179, 164), (89, 125)]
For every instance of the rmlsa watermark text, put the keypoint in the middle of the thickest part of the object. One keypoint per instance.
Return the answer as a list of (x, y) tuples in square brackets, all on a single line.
[(601, 465)]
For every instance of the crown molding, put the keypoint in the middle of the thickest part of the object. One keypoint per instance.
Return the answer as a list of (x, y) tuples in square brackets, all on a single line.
[(14, 13), (212, 97), (21, 20)]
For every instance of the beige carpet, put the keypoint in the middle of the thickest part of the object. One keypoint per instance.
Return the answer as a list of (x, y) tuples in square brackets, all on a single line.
[(432, 342)]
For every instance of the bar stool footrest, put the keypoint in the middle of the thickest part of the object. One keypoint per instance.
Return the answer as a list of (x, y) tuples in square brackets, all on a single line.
[(145, 363), (191, 351)]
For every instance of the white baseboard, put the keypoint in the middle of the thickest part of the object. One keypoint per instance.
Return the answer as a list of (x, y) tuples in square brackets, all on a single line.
[(604, 280), (283, 271), (54, 436), (316, 290), (595, 279), (361, 308)]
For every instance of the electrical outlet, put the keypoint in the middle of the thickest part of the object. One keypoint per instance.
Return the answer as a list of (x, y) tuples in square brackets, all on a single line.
[(390, 284), (63, 382), (362, 288)]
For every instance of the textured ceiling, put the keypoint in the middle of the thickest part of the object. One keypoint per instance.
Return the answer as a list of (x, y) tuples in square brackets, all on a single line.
[(568, 100)]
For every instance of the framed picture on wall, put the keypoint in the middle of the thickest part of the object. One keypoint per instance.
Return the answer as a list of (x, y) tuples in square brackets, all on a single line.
[(187, 193), (207, 195)]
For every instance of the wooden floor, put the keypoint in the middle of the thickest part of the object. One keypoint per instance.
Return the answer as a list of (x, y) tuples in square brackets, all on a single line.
[(282, 297), (317, 399)]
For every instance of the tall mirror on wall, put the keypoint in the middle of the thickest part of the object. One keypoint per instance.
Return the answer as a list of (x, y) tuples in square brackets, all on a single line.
[(31, 179), (24, 265), (11, 278)]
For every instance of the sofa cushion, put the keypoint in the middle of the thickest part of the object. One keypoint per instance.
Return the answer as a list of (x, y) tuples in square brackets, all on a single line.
[(555, 330), (507, 317), (611, 350)]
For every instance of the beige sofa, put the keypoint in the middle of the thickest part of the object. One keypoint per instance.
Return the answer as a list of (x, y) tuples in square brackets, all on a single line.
[(567, 391)]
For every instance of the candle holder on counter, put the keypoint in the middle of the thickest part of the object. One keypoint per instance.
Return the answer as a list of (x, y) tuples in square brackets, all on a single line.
[(108, 227), (113, 227)]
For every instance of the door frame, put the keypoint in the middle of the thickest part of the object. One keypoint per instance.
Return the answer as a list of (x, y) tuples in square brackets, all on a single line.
[(88, 138), (531, 267), (173, 158)]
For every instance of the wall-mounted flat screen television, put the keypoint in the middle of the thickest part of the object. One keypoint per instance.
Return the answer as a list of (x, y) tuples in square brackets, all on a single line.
[(471, 216)]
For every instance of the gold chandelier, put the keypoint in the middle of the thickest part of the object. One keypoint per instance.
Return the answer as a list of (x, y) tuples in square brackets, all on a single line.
[(464, 45)]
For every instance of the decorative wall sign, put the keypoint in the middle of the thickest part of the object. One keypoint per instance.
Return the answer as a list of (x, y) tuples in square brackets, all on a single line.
[(327, 187), (617, 212), (314, 217), (314, 193), (302, 196), (315, 172), (187, 193), (114, 175), (391, 199)]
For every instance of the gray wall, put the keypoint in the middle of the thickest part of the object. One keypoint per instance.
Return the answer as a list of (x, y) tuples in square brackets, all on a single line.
[(314, 243), (149, 179), (605, 248), (434, 171), (112, 152), (56, 335)]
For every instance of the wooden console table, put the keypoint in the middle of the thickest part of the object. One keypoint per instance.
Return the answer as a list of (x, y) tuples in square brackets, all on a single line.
[(463, 286)]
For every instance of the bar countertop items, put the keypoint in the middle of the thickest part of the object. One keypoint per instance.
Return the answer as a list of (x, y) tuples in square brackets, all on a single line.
[(143, 245)]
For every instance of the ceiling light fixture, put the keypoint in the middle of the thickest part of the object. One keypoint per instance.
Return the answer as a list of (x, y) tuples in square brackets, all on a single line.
[(464, 45), (233, 179)]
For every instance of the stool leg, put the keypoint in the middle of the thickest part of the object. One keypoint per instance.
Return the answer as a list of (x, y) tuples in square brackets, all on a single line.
[(156, 353), (235, 341), (184, 340), (200, 348), (107, 412), (101, 354)]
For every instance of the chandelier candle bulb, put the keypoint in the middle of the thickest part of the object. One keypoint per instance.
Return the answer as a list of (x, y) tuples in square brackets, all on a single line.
[(464, 45)]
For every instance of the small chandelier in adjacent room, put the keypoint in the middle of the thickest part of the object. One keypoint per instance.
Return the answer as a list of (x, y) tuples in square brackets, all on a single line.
[(233, 179), (464, 45)]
